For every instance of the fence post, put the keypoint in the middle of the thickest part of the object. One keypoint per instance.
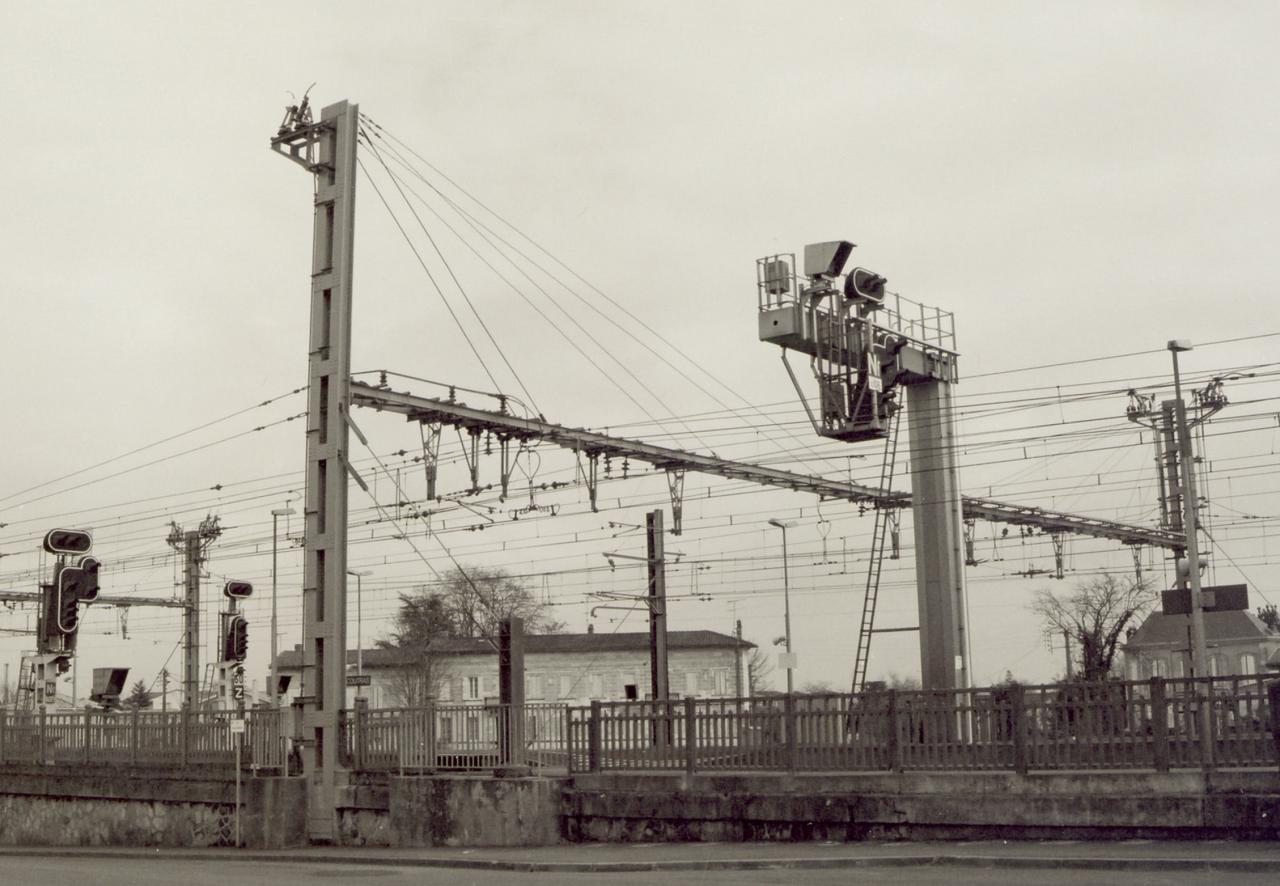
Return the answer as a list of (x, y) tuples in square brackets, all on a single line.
[(361, 727), (133, 738), (44, 743), (4, 729), (1204, 702), (893, 745), (1017, 699), (184, 736), (1159, 725), (593, 739), (789, 724), (690, 736), (88, 726)]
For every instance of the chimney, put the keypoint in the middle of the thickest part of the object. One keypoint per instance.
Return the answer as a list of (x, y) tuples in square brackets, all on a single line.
[(591, 629)]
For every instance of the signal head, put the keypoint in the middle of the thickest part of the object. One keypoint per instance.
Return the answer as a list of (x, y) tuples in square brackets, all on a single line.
[(237, 590), (864, 286), (89, 587), (68, 541)]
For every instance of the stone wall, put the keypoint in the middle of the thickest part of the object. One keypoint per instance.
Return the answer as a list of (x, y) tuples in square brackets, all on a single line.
[(90, 806), (417, 811), (1077, 805)]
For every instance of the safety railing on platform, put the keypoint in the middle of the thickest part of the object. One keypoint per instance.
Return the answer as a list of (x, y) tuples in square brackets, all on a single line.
[(142, 738), (457, 737), (1150, 725)]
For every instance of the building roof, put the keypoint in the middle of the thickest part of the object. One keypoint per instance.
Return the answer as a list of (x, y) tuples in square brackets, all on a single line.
[(1219, 627), (637, 641)]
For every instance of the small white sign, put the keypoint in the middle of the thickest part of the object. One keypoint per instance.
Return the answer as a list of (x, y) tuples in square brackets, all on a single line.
[(788, 660), (237, 727)]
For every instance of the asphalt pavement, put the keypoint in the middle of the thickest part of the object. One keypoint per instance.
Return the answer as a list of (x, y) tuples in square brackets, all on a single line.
[(617, 860)]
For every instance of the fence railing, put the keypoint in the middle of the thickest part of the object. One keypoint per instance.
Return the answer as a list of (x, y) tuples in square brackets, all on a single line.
[(1151, 725), (147, 738), (460, 737)]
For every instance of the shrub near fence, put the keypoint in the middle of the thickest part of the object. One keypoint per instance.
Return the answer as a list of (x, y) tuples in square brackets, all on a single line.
[(141, 738)]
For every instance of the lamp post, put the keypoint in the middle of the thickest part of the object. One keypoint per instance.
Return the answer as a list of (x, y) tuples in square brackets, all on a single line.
[(359, 574), (1187, 482), (276, 514), (784, 525)]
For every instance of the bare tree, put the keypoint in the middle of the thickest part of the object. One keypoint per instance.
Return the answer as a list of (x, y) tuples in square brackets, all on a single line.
[(1094, 616), (476, 601), (759, 670), (467, 603), (1270, 617), (417, 672)]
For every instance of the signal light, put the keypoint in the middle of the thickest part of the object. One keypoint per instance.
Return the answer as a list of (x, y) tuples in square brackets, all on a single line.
[(237, 590), (68, 541), (236, 644), (89, 566), (67, 608), (865, 286)]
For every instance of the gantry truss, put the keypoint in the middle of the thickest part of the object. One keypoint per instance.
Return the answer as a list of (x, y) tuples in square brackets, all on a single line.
[(592, 445)]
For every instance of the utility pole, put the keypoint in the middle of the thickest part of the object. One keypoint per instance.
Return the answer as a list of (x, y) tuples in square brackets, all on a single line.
[(658, 674), (737, 657), (1199, 651), (1066, 644), (164, 690), (326, 149), (193, 544)]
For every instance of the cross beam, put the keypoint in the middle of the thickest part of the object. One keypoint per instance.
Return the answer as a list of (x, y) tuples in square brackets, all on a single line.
[(593, 444), (102, 600)]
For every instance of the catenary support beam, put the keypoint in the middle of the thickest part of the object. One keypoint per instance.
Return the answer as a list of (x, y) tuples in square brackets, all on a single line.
[(592, 444)]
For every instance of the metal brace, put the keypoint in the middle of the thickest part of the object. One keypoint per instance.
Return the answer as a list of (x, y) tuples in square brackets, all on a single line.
[(1059, 540), (471, 454), (1136, 550), (591, 476), (895, 533), (970, 529), (675, 484), (431, 454)]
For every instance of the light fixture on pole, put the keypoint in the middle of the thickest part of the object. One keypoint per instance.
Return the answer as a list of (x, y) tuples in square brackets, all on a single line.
[(273, 689), (790, 659), (359, 574)]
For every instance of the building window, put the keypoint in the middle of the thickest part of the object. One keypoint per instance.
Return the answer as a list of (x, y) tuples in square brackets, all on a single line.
[(473, 728), (532, 686), (566, 686), (691, 683), (1248, 663), (446, 730), (444, 692), (1217, 665), (722, 681), (1159, 667), (1179, 665), (471, 688), (595, 684)]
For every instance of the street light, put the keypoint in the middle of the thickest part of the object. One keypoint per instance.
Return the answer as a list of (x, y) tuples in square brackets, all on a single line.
[(1187, 481), (276, 514), (359, 574), (784, 525)]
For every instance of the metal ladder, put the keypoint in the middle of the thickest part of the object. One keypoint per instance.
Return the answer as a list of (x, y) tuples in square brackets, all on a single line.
[(862, 653)]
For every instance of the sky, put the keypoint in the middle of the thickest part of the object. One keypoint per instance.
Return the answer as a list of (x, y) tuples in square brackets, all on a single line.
[(1075, 182)]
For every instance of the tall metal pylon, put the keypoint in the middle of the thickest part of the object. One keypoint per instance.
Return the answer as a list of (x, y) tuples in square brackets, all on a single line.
[(327, 149)]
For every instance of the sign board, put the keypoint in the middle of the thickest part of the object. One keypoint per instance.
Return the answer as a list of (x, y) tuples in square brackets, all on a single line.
[(787, 660), (237, 726), (359, 680), (237, 683), (1215, 598)]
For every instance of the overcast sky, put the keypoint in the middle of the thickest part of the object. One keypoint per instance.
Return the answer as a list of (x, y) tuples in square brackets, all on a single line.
[(1074, 181)]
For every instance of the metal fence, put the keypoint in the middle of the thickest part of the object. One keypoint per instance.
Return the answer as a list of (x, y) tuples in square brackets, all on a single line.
[(147, 738), (458, 737), (1150, 725)]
